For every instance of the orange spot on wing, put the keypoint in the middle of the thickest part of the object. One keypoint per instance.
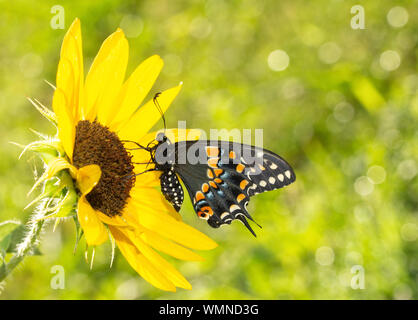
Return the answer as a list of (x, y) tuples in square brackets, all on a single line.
[(209, 173), (232, 155), (217, 180), (207, 210), (213, 162), (218, 172), (213, 184), (205, 187), (243, 184), (203, 215), (199, 196), (240, 197), (240, 167), (212, 151)]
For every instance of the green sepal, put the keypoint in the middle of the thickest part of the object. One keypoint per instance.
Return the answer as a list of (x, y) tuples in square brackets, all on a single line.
[(78, 232), (46, 153), (47, 149), (61, 188), (50, 188), (67, 205)]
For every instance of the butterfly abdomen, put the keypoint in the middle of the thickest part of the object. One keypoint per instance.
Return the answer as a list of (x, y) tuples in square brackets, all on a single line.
[(171, 188)]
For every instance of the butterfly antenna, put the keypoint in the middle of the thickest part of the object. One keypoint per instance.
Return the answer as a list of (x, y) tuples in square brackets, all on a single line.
[(137, 144), (130, 176), (157, 105)]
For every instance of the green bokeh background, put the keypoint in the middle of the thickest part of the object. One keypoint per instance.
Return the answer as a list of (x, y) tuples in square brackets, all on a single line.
[(338, 113)]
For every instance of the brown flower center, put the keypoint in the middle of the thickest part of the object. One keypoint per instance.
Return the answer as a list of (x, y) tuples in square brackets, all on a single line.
[(96, 144)]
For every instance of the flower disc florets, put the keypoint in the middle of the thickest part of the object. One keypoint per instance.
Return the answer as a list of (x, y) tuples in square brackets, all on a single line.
[(96, 144)]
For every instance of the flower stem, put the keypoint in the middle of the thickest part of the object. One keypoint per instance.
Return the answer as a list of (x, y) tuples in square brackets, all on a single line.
[(29, 241)]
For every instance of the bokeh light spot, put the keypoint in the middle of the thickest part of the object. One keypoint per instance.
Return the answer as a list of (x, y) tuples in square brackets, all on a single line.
[(343, 112), (407, 169), (363, 186), (377, 174), (363, 213), (278, 60), (390, 60), (397, 17), (292, 88), (402, 292), (200, 28), (329, 52), (128, 290), (324, 256), (409, 232), (132, 25)]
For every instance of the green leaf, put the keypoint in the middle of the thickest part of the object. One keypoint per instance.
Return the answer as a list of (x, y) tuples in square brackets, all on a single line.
[(3, 265), (4, 245), (16, 237), (8, 226), (6, 230)]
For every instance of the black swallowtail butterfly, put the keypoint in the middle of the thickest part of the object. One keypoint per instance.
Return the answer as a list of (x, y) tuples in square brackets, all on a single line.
[(220, 176)]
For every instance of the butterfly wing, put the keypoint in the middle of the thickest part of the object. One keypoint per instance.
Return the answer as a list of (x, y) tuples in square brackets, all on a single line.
[(221, 176)]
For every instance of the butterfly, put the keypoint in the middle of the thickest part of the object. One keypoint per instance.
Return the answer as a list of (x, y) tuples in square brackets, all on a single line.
[(220, 176)]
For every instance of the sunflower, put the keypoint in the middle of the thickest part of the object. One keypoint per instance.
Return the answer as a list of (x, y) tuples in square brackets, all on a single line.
[(94, 172)]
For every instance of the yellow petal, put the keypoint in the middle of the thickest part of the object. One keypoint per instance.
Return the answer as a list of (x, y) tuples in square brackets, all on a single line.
[(139, 155), (65, 82), (174, 134), (116, 220), (161, 244), (131, 217), (88, 177), (153, 199), (71, 50), (146, 117), (134, 91), (166, 226), (161, 264), (106, 76), (66, 128), (149, 179), (94, 230), (139, 263)]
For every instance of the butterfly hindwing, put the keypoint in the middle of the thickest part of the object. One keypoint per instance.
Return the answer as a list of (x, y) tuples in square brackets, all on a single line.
[(226, 176), (270, 172)]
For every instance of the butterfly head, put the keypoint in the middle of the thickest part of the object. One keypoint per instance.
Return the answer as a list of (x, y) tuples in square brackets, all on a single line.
[(161, 137), (162, 152)]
